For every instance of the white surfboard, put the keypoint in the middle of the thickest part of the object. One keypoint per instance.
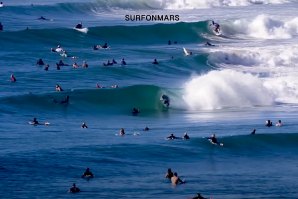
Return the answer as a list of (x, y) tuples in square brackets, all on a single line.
[(218, 33), (46, 123), (83, 30), (186, 53)]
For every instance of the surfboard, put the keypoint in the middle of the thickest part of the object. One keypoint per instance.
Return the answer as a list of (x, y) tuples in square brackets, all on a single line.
[(46, 123), (83, 30), (217, 33), (186, 53), (100, 47), (87, 177), (133, 134)]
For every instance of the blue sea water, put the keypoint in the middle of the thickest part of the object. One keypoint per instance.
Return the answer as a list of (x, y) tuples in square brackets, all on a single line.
[(247, 77)]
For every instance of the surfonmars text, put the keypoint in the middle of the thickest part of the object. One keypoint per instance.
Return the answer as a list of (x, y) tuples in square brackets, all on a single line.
[(151, 17)]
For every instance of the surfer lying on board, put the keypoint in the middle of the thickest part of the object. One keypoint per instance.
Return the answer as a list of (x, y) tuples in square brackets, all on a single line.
[(172, 137), (42, 18), (213, 139), (96, 47), (208, 44)]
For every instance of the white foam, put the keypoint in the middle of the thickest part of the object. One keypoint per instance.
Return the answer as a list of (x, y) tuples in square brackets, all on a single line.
[(195, 4), (263, 27), (226, 88)]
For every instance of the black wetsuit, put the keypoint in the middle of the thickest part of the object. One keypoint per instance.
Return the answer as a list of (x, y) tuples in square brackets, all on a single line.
[(213, 139), (186, 137), (74, 190), (79, 26)]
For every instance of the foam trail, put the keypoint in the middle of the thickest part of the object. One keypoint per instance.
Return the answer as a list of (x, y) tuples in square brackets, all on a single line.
[(226, 88)]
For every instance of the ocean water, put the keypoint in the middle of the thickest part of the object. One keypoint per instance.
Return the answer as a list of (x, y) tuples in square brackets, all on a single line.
[(247, 77)]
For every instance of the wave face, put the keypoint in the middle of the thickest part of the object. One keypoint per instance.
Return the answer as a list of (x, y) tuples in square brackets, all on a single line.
[(119, 100)]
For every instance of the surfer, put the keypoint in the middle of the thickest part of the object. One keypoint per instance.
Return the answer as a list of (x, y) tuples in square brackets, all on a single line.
[(105, 45), (58, 66), (42, 18), (1, 27), (46, 68), (108, 63), (268, 123), (75, 65), (122, 132), (61, 63), (169, 174), (1, 4), (166, 100), (85, 65), (74, 189), (114, 61), (84, 125), (279, 123), (155, 61), (95, 47), (187, 52), (176, 180), (172, 137), (208, 44), (58, 49), (169, 42), (185, 136), (213, 139), (87, 174), (253, 132), (34, 121), (199, 196), (123, 62), (79, 25), (216, 26), (135, 111), (58, 88), (13, 78), (40, 62), (146, 128), (99, 86)]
